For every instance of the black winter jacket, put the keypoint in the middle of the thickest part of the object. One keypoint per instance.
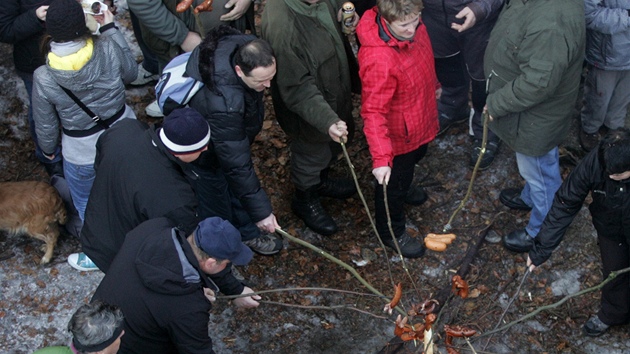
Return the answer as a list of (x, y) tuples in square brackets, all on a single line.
[(610, 209), (20, 26), (137, 179), (235, 114), (155, 279)]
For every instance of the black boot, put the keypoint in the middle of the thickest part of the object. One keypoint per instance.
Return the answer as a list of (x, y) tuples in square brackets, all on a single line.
[(306, 206), (340, 188)]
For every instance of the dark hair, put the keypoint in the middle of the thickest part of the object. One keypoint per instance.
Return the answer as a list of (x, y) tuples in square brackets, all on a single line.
[(94, 325), (614, 151), (257, 53)]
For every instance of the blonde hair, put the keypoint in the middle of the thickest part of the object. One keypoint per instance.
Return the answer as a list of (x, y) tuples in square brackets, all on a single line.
[(394, 10)]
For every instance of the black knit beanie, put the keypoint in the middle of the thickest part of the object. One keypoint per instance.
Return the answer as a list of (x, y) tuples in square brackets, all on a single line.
[(65, 20)]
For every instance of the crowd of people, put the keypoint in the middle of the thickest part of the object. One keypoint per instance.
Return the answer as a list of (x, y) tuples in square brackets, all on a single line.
[(166, 208)]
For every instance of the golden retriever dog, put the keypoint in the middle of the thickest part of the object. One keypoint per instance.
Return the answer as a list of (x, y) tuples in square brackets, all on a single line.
[(34, 208)]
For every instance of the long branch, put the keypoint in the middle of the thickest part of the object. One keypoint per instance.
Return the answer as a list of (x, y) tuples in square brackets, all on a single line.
[(315, 307), (258, 292), (612, 276), (335, 260)]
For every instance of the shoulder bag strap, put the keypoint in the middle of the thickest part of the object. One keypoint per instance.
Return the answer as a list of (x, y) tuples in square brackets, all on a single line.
[(89, 112)]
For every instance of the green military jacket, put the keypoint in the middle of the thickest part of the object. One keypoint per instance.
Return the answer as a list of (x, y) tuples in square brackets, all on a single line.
[(533, 64), (312, 88)]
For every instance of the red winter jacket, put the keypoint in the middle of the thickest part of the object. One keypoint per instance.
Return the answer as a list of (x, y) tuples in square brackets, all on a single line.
[(399, 82)]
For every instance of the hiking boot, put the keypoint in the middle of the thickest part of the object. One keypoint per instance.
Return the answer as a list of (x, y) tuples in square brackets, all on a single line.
[(144, 77), (594, 327), (307, 206), (588, 141), (340, 188), (416, 196), (265, 244), (153, 110), (446, 121), (492, 148), (409, 247), (80, 261)]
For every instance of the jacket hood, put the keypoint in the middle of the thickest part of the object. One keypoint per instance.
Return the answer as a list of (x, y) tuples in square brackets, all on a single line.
[(84, 78), (212, 61), (373, 32), (167, 265)]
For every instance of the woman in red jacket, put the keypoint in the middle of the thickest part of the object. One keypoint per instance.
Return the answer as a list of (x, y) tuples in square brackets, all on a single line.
[(399, 108)]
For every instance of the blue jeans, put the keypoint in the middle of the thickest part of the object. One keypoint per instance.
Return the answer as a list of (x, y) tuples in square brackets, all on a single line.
[(28, 83), (216, 199), (542, 177), (80, 179)]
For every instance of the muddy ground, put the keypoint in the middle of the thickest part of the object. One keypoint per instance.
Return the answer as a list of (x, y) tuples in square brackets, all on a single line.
[(36, 302)]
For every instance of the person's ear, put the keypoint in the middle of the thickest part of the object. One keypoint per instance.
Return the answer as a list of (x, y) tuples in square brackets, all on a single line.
[(239, 71)]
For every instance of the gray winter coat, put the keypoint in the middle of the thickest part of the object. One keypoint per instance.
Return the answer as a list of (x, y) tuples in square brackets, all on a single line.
[(608, 34), (99, 84)]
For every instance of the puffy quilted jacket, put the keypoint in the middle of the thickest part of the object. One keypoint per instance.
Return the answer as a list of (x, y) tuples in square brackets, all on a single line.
[(398, 90), (608, 33)]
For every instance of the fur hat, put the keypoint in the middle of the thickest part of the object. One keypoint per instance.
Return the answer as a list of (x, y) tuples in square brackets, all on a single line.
[(219, 239), (185, 131), (65, 20)]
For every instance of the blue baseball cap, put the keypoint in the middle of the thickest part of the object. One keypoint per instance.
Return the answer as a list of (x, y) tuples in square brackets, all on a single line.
[(219, 239)]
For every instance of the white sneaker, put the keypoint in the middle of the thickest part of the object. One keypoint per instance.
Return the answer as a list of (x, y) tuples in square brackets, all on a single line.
[(153, 110), (144, 77), (80, 261)]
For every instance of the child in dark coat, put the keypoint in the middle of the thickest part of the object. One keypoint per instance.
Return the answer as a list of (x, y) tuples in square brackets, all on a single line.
[(605, 173)]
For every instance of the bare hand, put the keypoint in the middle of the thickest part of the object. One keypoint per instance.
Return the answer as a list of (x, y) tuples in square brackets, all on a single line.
[(104, 18), (209, 294), (438, 93), (247, 302), (469, 20), (485, 111), (240, 7), (355, 20), (530, 264), (269, 224), (41, 12), (382, 174), (50, 157), (191, 42), (338, 131)]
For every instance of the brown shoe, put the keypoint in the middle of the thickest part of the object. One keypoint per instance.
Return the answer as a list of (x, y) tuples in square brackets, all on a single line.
[(588, 141)]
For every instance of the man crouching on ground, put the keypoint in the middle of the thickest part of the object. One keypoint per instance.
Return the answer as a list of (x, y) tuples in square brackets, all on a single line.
[(164, 282)]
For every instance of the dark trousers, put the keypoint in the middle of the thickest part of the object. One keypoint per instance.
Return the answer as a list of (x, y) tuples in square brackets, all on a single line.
[(216, 199), (615, 306), (397, 188)]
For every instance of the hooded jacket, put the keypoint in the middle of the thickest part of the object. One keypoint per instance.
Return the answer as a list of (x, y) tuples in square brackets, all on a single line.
[(533, 64), (156, 281), (312, 89), (398, 89), (20, 26), (608, 34), (99, 84), (235, 114), (610, 209), (137, 179)]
